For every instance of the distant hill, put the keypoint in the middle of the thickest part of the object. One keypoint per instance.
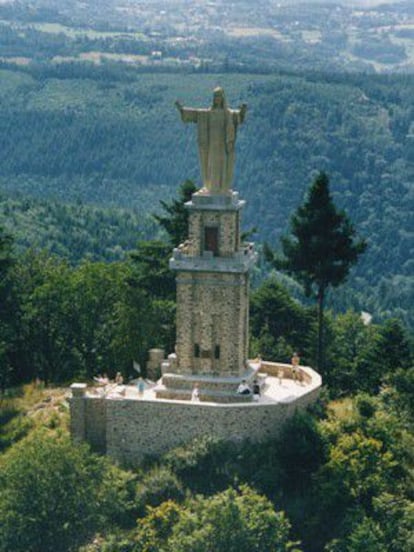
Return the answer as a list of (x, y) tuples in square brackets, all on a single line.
[(356, 35), (75, 231), (110, 136)]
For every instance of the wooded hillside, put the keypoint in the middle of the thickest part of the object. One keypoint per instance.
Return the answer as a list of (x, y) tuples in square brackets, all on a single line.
[(109, 135)]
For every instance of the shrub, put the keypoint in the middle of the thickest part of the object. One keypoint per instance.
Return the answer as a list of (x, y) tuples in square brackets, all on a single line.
[(157, 486)]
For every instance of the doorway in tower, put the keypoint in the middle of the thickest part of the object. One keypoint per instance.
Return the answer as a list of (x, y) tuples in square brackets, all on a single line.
[(211, 241)]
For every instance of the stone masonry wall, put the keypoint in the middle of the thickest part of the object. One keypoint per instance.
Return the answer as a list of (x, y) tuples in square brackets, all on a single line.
[(194, 233), (212, 310), (139, 428)]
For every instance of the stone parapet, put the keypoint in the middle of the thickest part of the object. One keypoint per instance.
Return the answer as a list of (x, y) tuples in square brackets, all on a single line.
[(78, 390), (278, 369)]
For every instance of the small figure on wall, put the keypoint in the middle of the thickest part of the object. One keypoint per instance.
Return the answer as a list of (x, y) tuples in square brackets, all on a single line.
[(295, 361), (256, 390), (195, 395), (243, 388), (141, 387)]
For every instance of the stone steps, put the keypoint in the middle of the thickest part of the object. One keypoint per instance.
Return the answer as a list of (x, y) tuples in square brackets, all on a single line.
[(210, 383), (173, 381)]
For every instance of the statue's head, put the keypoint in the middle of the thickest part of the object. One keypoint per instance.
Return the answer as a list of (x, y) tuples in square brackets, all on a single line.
[(219, 99)]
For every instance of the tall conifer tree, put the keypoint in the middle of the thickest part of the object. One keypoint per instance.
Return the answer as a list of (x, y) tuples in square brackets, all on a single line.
[(321, 249)]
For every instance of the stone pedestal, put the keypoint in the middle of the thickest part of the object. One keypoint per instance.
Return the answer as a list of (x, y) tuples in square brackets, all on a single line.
[(156, 358)]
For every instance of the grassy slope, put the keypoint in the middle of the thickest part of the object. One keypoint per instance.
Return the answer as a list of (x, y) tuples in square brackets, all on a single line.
[(30, 407)]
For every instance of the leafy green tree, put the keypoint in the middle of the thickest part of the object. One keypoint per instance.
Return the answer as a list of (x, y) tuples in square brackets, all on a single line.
[(395, 515), (365, 537), (230, 521), (322, 249), (280, 325), (366, 474), (5, 254), (392, 349), (150, 261), (301, 451), (55, 495), (76, 322), (155, 529), (347, 353), (46, 318), (157, 485), (403, 382), (385, 351)]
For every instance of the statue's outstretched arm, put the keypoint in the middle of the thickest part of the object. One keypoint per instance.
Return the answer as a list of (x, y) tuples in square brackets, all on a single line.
[(188, 115), (242, 112)]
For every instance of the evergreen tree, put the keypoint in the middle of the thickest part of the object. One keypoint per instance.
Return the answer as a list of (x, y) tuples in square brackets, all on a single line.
[(151, 257), (7, 307), (152, 273), (175, 222), (322, 249), (5, 254)]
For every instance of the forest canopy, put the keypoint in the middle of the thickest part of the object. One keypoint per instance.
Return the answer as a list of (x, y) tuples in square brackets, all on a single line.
[(109, 136)]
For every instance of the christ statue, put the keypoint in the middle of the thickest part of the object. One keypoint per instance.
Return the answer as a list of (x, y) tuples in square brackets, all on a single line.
[(217, 129)]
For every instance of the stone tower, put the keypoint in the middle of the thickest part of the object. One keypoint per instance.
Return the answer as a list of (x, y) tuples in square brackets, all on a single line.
[(213, 289), (212, 268)]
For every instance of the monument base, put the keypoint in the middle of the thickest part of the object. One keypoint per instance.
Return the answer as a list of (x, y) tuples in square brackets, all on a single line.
[(131, 425), (211, 388)]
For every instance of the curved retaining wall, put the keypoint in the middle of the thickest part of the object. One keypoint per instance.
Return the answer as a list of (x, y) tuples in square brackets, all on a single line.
[(128, 429)]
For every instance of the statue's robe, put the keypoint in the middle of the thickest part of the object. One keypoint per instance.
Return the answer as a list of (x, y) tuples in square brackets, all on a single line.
[(217, 130)]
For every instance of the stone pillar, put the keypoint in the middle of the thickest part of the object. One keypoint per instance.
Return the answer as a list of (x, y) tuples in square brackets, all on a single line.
[(156, 357), (78, 412)]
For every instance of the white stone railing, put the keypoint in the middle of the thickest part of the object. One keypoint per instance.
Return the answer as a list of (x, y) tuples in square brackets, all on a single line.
[(277, 369)]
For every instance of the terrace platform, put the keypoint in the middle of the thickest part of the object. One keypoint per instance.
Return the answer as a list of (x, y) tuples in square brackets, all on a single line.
[(276, 379)]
